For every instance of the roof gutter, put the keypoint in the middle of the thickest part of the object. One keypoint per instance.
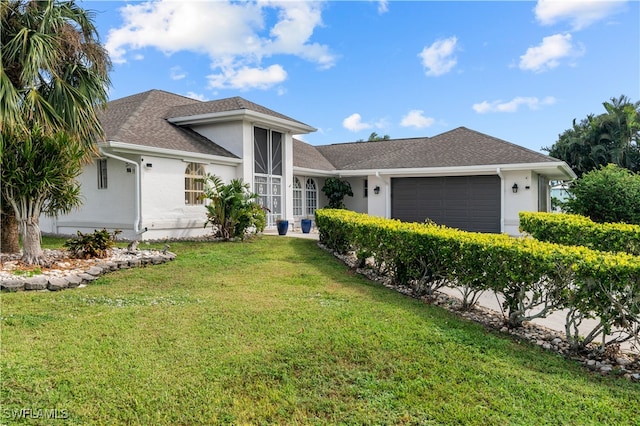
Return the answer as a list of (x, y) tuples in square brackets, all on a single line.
[(137, 224), (559, 168), (169, 153)]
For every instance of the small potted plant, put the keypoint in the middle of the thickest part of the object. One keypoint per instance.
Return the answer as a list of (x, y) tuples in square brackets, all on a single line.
[(283, 226)]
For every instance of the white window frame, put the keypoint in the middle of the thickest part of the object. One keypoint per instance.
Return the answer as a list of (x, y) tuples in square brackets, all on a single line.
[(103, 181), (310, 196), (298, 197)]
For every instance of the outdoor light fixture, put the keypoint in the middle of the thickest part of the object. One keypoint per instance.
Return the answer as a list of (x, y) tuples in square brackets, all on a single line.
[(376, 190), (514, 188)]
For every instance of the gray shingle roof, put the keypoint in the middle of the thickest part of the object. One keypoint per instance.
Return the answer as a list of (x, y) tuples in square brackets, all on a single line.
[(223, 105), (308, 157), (141, 120), (456, 148)]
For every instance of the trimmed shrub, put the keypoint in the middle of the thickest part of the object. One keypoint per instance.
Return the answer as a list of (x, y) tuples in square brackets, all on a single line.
[(576, 230), (534, 278)]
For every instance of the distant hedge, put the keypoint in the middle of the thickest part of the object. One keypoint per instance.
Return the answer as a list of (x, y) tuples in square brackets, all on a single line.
[(535, 278), (577, 230)]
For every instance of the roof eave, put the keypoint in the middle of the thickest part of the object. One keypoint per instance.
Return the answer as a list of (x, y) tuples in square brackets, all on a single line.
[(293, 127), (552, 170), (127, 148), (305, 171)]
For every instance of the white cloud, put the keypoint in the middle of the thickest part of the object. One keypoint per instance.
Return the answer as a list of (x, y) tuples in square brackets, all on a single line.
[(196, 96), (354, 123), (415, 118), (579, 13), (439, 59), (383, 6), (247, 78), (547, 55), (512, 105), (176, 73), (230, 33)]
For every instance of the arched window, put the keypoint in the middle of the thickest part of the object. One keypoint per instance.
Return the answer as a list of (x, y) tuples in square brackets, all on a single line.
[(311, 197), (193, 184), (297, 197)]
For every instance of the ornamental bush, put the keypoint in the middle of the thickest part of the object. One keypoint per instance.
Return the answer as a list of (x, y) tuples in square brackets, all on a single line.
[(87, 246), (609, 194), (232, 209), (577, 230), (533, 277)]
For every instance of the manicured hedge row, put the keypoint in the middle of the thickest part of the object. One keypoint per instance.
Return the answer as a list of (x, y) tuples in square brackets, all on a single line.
[(571, 229), (535, 278)]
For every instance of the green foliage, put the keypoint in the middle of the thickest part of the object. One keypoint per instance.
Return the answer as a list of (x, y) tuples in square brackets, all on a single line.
[(534, 278), (39, 173), (577, 230), (596, 141), (233, 209), (336, 189), (96, 244), (54, 77), (55, 71), (375, 137), (278, 332), (609, 194)]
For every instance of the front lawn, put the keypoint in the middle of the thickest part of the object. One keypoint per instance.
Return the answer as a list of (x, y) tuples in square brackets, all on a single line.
[(276, 331)]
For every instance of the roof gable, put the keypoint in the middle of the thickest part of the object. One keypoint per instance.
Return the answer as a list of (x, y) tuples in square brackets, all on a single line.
[(141, 120), (235, 108)]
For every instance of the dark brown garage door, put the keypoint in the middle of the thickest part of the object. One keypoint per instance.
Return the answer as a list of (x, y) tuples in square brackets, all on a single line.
[(471, 203)]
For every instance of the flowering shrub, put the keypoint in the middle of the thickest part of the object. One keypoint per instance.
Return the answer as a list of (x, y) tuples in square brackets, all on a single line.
[(534, 278), (573, 229)]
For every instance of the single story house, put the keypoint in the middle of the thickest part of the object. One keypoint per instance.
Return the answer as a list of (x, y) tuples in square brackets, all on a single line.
[(158, 145)]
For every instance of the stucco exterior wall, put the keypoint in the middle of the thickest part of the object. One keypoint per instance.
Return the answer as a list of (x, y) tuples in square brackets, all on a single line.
[(378, 203), (97, 210), (526, 199), (357, 203), (227, 135), (164, 212)]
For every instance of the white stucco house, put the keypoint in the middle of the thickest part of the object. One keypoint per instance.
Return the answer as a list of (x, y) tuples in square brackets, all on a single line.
[(159, 144)]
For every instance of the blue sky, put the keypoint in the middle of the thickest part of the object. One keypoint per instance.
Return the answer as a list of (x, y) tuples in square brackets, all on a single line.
[(520, 71)]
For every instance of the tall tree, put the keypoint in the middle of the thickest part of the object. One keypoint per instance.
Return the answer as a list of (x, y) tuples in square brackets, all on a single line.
[(54, 77), (597, 140), (39, 174)]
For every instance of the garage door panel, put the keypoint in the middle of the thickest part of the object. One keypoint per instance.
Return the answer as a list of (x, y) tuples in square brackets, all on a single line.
[(466, 202)]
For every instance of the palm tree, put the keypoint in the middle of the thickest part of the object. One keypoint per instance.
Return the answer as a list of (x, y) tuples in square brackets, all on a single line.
[(54, 76), (598, 140), (39, 174)]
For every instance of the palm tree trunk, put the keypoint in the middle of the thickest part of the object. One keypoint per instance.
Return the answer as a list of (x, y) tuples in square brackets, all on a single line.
[(32, 253), (9, 242)]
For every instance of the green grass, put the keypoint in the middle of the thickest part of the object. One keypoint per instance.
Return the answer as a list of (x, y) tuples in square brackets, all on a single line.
[(276, 331)]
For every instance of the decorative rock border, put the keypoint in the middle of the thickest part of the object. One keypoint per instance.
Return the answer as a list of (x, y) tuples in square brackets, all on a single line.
[(56, 279), (625, 365)]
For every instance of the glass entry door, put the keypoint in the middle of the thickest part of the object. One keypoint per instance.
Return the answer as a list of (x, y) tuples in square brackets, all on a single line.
[(267, 172)]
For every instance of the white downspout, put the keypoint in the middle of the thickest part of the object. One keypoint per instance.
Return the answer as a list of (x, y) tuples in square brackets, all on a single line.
[(502, 195), (137, 224)]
